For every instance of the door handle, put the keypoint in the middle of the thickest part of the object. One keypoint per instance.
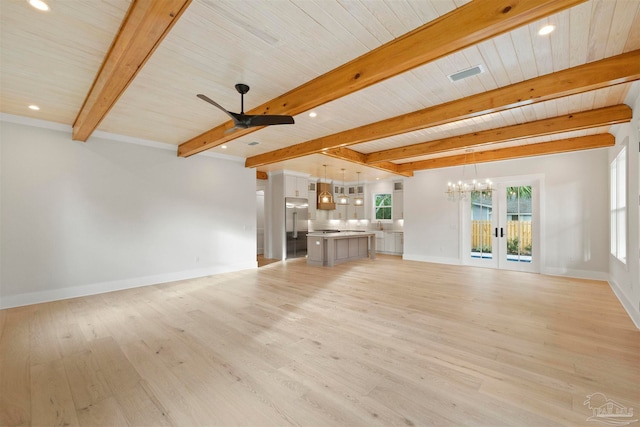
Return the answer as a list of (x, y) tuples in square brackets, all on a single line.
[(501, 232), (496, 233)]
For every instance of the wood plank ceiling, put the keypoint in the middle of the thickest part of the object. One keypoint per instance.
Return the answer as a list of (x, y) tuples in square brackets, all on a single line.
[(374, 71)]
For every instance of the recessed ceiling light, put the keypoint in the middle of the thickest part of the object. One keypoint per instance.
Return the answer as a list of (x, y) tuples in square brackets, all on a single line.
[(224, 147), (39, 4), (313, 114), (34, 107), (546, 30)]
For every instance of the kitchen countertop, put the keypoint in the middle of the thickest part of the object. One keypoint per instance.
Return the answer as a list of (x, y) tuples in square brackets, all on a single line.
[(340, 234)]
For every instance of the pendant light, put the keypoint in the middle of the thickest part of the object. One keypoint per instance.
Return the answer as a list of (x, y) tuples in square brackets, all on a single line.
[(342, 198), (358, 200), (325, 196)]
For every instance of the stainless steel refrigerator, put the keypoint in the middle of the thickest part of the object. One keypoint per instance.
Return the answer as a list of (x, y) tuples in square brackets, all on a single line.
[(296, 226)]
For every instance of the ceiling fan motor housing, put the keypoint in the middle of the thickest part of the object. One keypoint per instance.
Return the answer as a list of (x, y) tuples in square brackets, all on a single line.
[(242, 88)]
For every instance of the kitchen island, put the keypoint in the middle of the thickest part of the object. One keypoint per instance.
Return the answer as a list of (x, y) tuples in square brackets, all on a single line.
[(329, 249)]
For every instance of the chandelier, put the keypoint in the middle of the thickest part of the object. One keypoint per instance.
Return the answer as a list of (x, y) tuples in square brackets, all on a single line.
[(461, 189)]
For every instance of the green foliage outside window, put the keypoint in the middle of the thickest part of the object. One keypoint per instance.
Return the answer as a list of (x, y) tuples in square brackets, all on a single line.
[(383, 206), (521, 192)]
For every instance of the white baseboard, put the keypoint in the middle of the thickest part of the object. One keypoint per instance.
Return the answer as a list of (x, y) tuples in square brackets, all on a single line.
[(626, 303), (116, 285), (388, 253), (578, 274), (435, 260)]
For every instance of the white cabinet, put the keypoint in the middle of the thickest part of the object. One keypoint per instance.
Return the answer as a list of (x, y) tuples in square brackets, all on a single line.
[(398, 205), (399, 242), (340, 212), (313, 200), (355, 211), (313, 203), (379, 241), (296, 186), (302, 187), (354, 190), (290, 186), (390, 243)]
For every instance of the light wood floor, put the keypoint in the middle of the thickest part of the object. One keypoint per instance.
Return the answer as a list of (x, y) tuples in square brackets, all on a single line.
[(383, 342), (262, 261)]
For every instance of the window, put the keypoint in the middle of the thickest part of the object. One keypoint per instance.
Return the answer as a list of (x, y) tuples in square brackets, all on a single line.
[(619, 206), (382, 206)]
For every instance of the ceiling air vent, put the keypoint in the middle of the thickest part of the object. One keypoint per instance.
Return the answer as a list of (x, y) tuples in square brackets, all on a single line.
[(473, 71)]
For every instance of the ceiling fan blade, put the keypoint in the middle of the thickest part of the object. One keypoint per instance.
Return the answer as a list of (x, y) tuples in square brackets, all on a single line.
[(215, 104), (235, 128), (268, 120)]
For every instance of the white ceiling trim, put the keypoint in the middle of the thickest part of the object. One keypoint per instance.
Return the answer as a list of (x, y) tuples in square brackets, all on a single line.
[(29, 121), (108, 136)]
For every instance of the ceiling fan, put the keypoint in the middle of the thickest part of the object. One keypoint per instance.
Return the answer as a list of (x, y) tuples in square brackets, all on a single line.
[(244, 121)]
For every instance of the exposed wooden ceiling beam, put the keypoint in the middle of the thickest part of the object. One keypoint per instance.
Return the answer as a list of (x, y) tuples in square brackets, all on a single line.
[(606, 72), (359, 158), (146, 24), (262, 175), (465, 26), (570, 122), (553, 147)]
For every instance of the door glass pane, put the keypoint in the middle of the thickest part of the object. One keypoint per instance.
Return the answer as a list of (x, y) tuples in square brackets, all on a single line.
[(481, 216), (519, 213)]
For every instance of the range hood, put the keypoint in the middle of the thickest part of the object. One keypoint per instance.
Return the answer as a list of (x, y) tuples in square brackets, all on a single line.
[(325, 206)]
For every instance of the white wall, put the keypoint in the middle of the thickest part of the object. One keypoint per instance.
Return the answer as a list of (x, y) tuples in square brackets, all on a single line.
[(260, 186), (625, 278), (574, 208), (80, 218)]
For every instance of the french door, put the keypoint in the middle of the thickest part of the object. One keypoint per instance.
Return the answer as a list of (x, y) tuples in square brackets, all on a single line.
[(501, 227)]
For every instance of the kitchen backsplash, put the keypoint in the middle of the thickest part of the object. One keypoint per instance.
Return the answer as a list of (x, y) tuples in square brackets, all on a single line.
[(352, 224)]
